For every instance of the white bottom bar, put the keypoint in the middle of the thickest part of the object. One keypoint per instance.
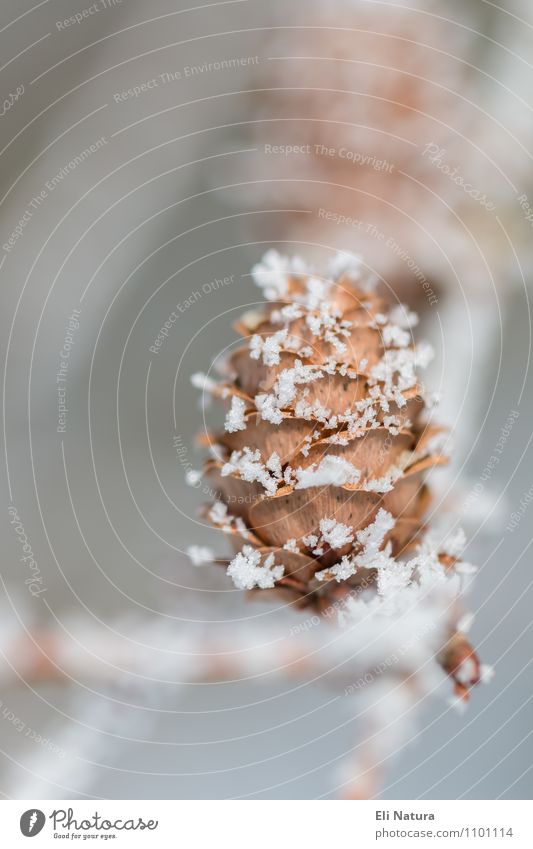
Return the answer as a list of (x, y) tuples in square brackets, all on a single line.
[(267, 824)]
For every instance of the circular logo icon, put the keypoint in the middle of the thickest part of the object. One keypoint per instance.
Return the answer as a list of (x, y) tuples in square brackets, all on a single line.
[(32, 822)]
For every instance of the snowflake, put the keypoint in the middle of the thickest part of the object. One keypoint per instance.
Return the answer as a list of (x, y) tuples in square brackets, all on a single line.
[(246, 572), (248, 465), (273, 272), (403, 317), (201, 381), (346, 264), (394, 336), (454, 544), (269, 348), (370, 539), (235, 417), (200, 554), (284, 390), (330, 471), (335, 533), (192, 477)]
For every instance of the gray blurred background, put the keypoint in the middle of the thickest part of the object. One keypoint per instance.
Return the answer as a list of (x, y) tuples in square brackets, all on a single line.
[(150, 218)]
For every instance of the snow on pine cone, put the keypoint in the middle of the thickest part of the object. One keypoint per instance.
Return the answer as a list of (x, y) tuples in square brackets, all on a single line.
[(319, 471)]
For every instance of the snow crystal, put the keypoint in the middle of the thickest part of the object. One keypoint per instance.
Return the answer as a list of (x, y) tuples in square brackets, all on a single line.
[(248, 465), (454, 544), (218, 512), (225, 521), (402, 316), (284, 390), (269, 348), (273, 464), (465, 568), (330, 471), (393, 424), (393, 576), (394, 336), (335, 533), (373, 535), (201, 381), (316, 291), (246, 572), (341, 571), (200, 554), (192, 477), (267, 408), (273, 272), (346, 264), (235, 417), (385, 483), (371, 540)]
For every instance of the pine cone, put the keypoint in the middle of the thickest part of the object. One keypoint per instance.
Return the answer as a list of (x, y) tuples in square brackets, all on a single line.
[(319, 472)]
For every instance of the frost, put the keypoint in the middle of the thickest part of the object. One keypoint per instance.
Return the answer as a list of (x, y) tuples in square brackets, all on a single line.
[(394, 336), (402, 316), (201, 381), (218, 513), (288, 313), (199, 555), (454, 544), (401, 362), (332, 533), (193, 476), (246, 572), (273, 272), (225, 521), (235, 417), (465, 568), (385, 483), (267, 408), (346, 264), (370, 541), (316, 291), (284, 390), (371, 537), (393, 577), (310, 540), (248, 465), (335, 533), (393, 424), (269, 348), (438, 444), (331, 471)]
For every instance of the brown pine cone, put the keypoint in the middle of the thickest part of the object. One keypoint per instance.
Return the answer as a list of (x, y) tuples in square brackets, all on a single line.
[(319, 474)]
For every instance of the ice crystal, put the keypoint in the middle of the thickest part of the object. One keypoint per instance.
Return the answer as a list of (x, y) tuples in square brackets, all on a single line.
[(235, 417), (273, 272), (247, 572), (200, 554), (331, 471)]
